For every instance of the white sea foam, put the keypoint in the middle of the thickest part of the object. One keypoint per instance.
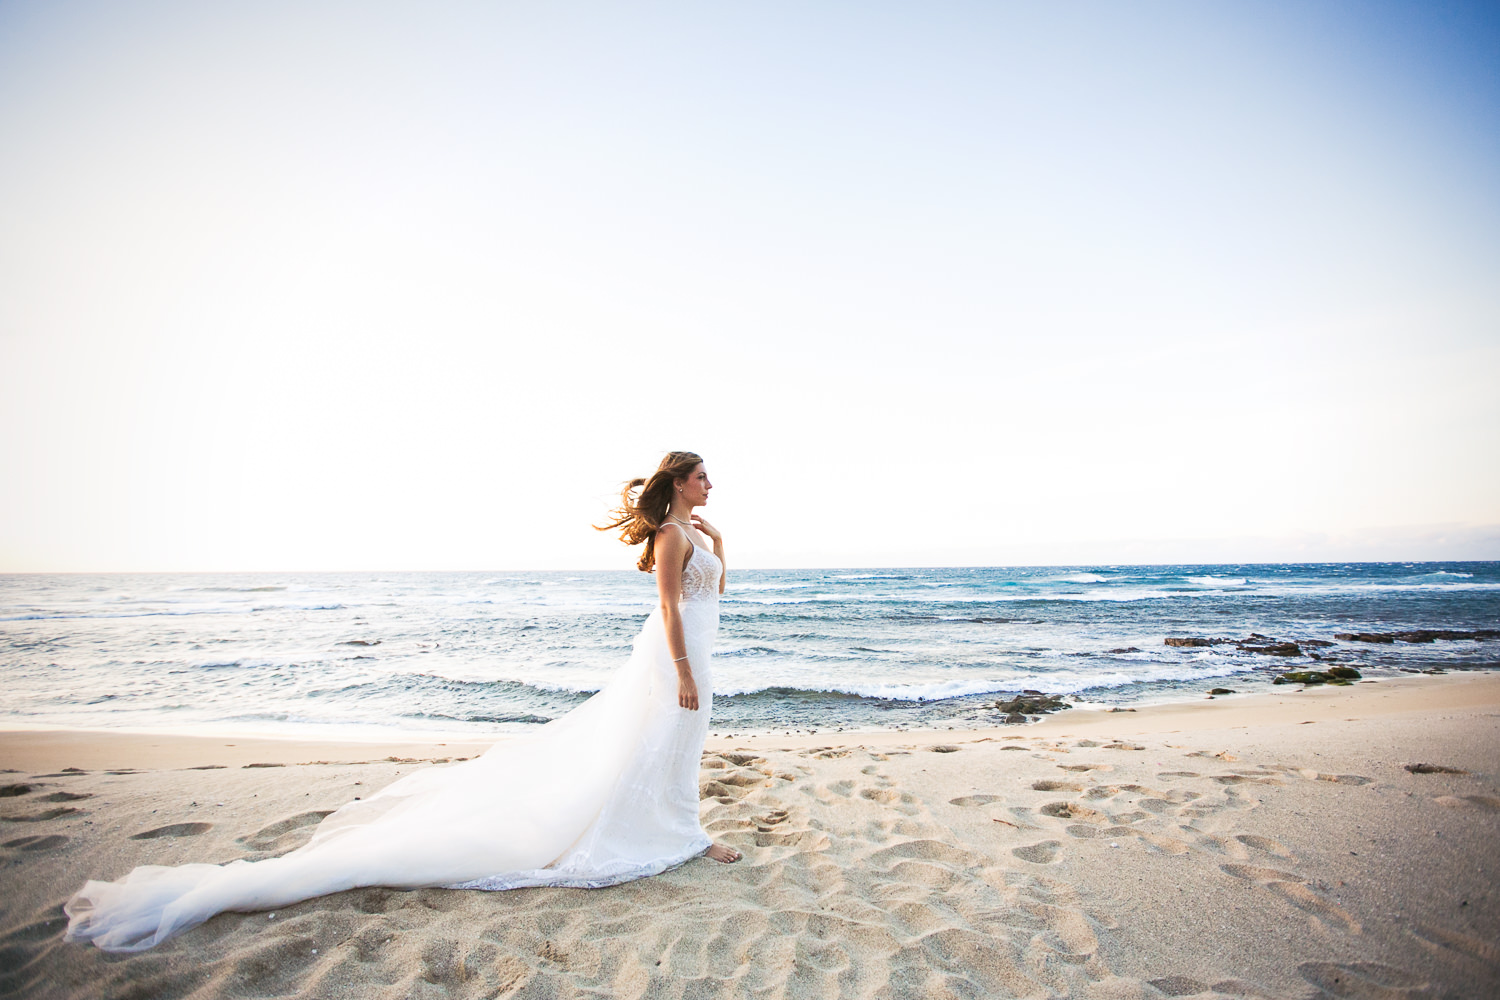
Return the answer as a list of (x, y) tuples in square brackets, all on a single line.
[(1059, 682)]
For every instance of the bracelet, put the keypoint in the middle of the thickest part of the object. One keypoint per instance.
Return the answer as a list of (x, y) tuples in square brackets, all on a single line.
[(679, 659)]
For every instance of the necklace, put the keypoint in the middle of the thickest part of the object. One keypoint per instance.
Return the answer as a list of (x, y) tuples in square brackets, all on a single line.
[(678, 519)]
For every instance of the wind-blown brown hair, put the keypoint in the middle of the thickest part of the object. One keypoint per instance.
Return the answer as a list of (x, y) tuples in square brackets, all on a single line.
[(644, 503)]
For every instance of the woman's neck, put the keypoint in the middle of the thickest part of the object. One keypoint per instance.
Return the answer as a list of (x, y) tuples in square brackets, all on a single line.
[(681, 511)]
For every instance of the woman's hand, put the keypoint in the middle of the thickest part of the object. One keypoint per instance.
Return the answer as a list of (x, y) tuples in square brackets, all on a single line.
[(707, 528), (687, 692)]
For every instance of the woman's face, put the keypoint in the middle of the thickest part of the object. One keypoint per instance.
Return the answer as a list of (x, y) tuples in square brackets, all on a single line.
[(696, 486)]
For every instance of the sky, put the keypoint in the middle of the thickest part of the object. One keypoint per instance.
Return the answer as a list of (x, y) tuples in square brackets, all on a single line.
[(386, 286)]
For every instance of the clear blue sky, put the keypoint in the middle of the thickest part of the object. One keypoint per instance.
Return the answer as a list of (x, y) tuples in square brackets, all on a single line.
[(354, 285)]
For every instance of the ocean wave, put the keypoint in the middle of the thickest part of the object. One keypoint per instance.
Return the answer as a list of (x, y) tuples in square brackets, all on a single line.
[(525, 717), (776, 585), (1059, 683), (1219, 581), (416, 682), (65, 616)]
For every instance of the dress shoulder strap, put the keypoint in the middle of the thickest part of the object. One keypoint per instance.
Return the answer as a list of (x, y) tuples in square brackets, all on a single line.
[(681, 528)]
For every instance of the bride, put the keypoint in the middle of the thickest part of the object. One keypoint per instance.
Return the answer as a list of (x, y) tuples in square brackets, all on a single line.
[(602, 795)]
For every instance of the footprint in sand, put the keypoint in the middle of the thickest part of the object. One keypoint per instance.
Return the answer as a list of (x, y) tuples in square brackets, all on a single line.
[(886, 796), (1126, 818), (1043, 853), (727, 786), (773, 818), (1163, 843), (1215, 844), (65, 797), (1179, 986), (743, 759), (175, 830), (1069, 810), (36, 843), (1440, 938), (1363, 981), (1056, 786), (973, 800), (1265, 844), (40, 817), (1255, 873), (266, 837), (1292, 889), (1485, 802)]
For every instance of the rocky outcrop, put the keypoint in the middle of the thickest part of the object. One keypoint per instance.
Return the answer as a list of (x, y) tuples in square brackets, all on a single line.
[(1333, 675), (1420, 635), (1272, 648), (1030, 703), (1253, 643)]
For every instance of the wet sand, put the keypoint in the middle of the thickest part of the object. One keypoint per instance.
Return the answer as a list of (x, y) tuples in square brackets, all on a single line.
[(1266, 846)]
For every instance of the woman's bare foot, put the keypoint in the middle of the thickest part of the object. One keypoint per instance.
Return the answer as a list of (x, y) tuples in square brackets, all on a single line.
[(719, 852)]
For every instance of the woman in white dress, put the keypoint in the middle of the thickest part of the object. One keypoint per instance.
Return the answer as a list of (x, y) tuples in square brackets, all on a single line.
[(602, 795)]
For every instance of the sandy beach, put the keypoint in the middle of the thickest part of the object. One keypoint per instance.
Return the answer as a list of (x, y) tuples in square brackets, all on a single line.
[(1256, 846)]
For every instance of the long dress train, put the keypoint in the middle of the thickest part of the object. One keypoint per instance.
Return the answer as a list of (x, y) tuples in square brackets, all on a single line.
[(602, 795)]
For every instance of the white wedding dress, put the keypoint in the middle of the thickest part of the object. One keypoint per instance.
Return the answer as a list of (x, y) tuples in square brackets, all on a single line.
[(602, 795)]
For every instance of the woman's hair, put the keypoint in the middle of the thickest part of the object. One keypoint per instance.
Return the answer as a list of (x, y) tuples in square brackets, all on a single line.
[(644, 503)]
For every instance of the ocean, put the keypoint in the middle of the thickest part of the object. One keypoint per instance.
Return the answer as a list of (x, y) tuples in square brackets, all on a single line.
[(467, 655)]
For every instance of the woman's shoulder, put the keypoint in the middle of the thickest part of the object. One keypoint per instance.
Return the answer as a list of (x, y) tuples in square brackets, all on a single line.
[(662, 534)]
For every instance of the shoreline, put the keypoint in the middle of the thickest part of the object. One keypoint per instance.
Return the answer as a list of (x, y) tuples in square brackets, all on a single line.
[(54, 749), (1255, 846)]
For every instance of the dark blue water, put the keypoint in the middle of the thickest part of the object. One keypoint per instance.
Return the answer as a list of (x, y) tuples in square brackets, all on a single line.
[(374, 654)]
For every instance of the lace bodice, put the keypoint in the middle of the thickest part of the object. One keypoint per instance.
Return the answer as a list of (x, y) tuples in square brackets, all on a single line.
[(700, 578)]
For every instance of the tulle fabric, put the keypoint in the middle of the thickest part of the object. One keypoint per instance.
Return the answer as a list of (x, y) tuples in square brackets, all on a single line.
[(602, 795)]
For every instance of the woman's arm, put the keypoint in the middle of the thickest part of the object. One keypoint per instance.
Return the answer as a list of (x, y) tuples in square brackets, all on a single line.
[(718, 541), (671, 551)]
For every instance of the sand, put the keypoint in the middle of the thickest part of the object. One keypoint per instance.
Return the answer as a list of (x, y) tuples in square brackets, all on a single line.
[(1266, 846)]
